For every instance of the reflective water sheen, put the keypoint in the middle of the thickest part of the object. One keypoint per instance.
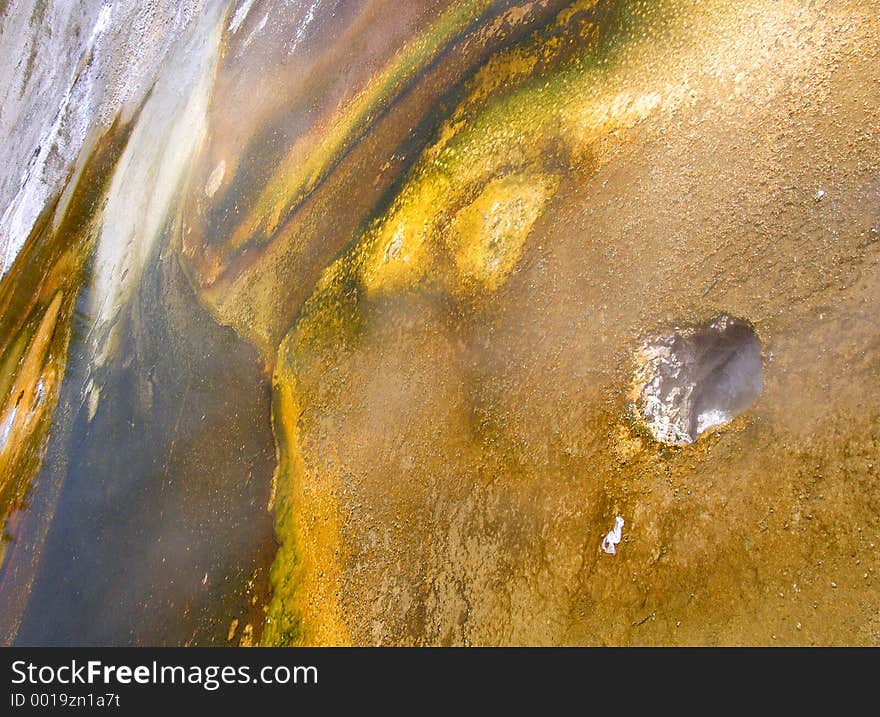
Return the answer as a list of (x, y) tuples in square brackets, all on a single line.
[(360, 323)]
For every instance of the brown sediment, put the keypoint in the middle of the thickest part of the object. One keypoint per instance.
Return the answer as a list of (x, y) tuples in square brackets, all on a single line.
[(259, 287), (457, 461), (448, 256)]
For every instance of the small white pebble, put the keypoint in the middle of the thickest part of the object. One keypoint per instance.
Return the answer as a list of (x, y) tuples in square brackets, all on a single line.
[(613, 537)]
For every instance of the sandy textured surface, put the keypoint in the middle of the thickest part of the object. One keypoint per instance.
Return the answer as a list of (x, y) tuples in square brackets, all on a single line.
[(441, 236)]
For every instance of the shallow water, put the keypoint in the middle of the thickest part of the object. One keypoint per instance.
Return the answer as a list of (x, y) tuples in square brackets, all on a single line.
[(161, 533), (338, 334)]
